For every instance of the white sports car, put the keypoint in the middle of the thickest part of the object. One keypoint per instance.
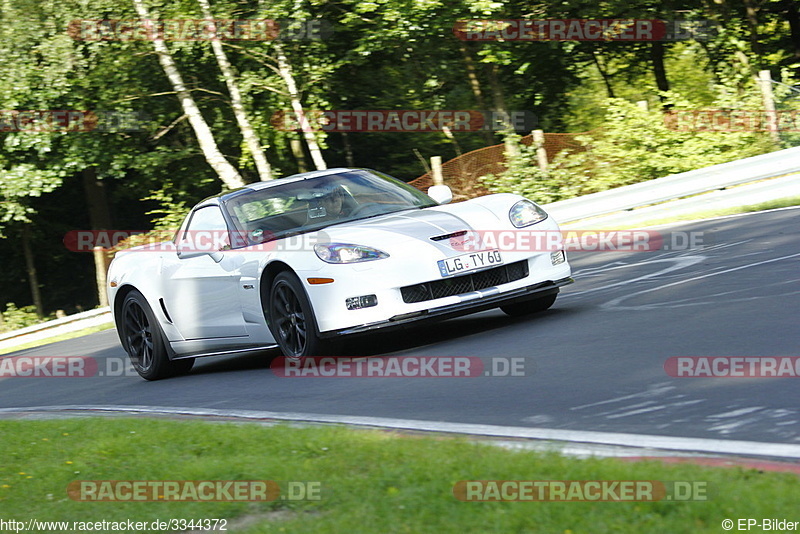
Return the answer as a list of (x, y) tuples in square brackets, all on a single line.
[(301, 261)]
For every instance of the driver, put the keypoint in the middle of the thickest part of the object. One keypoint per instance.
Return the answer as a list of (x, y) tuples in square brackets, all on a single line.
[(334, 202), (331, 204)]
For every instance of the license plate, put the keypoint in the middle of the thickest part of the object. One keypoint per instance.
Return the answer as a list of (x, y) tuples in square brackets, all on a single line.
[(469, 262)]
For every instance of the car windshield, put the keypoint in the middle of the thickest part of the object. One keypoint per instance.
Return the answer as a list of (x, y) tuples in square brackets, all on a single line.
[(314, 203)]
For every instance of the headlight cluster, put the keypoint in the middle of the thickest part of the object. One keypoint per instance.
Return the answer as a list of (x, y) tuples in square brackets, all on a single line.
[(345, 253), (525, 213)]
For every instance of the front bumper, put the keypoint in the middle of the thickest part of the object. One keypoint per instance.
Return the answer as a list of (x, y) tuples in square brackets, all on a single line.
[(475, 302)]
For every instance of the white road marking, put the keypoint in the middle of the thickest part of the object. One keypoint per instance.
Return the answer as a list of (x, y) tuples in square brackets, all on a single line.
[(735, 413), (636, 412), (678, 263), (652, 391), (614, 304)]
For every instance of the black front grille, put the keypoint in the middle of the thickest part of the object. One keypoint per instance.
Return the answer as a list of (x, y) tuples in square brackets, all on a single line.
[(465, 283)]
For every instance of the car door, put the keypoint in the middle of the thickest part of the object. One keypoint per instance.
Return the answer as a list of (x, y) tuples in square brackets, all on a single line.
[(202, 279)]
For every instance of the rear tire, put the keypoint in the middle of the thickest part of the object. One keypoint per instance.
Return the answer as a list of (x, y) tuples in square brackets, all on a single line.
[(144, 342), (529, 306)]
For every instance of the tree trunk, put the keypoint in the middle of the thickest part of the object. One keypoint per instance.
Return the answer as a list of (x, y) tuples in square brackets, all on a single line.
[(96, 200), (603, 74), (285, 70), (657, 58), (752, 24), (226, 172), (791, 12), (33, 279), (348, 150), (249, 135), (497, 93), (475, 85), (299, 155)]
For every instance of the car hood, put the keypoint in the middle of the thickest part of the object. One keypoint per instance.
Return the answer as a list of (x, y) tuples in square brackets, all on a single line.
[(438, 227)]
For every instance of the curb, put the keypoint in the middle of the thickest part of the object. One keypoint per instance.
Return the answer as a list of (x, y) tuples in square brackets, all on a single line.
[(568, 442)]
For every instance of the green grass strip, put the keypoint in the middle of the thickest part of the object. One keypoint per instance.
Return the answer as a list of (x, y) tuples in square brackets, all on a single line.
[(371, 481)]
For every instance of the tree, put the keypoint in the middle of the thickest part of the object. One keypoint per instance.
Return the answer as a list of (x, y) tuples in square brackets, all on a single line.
[(249, 135), (226, 172)]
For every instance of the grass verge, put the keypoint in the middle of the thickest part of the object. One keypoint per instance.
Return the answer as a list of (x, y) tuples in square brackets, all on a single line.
[(371, 481)]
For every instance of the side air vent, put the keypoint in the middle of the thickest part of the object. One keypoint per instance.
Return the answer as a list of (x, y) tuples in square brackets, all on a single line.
[(164, 309)]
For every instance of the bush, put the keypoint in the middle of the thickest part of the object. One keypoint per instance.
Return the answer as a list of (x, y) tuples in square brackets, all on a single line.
[(634, 145), (15, 318)]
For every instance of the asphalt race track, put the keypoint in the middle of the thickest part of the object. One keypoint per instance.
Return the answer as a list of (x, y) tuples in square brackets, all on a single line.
[(595, 361)]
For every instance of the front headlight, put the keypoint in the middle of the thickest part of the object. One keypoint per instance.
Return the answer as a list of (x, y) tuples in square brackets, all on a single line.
[(526, 213), (345, 253)]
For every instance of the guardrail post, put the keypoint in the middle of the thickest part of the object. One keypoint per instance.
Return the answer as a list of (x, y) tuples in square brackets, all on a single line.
[(100, 268)]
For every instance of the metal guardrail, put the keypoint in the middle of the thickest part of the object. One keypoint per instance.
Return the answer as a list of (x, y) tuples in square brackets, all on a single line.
[(55, 327), (675, 186)]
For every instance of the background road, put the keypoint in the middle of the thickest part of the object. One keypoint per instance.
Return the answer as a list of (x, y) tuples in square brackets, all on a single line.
[(593, 362)]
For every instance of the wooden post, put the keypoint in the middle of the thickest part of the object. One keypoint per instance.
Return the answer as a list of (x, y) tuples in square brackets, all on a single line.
[(436, 170), (512, 150), (100, 274), (765, 83), (541, 153)]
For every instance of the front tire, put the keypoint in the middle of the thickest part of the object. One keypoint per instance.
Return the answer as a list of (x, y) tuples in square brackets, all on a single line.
[(529, 306), (292, 319), (144, 342)]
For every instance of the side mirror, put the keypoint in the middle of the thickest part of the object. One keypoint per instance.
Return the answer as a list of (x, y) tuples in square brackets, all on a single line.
[(216, 255), (442, 194)]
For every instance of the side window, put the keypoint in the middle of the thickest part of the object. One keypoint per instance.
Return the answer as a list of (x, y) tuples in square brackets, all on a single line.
[(207, 229)]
